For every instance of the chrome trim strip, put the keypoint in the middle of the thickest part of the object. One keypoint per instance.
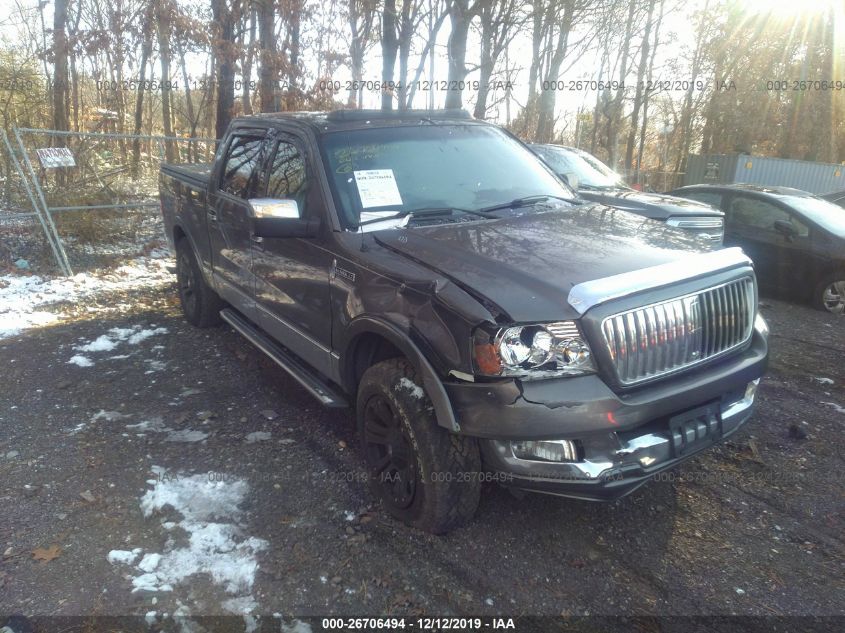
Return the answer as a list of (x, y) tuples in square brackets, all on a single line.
[(588, 294)]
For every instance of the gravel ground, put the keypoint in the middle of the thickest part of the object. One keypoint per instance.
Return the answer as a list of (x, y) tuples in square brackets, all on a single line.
[(268, 513)]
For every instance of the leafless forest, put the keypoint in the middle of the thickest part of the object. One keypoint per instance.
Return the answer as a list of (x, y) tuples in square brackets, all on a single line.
[(640, 84)]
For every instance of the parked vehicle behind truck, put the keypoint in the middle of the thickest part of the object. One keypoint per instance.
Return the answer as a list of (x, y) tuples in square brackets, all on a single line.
[(595, 181), (428, 271)]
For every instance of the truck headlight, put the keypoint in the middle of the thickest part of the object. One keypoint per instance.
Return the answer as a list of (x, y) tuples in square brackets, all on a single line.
[(533, 351)]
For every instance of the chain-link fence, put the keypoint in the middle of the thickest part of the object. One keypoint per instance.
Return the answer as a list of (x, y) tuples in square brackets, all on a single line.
[(80, 200)]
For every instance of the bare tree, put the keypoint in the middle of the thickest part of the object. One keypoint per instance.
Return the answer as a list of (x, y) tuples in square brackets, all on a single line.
[(225, 17), (499, 22), (60, 76), (360, 17)]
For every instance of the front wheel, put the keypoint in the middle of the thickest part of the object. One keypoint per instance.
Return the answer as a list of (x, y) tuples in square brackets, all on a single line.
[(424, 475), (200, 304), (830, 293)]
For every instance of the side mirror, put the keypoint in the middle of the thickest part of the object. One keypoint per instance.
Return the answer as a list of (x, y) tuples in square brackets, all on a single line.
[(786, 229), (273, 217)]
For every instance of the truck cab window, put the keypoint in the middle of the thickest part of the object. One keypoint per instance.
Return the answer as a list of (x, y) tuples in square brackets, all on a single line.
[(287, 178), (242, 169)]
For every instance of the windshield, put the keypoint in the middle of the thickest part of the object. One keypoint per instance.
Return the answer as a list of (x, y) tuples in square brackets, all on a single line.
[(400, 169), (822, 212), (589, 170)]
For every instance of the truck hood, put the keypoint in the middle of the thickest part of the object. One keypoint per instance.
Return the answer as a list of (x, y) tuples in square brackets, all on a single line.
[(527, 264), (651, 205)]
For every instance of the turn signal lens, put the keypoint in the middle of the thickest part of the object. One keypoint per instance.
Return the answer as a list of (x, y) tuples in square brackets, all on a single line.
[(487, 360)]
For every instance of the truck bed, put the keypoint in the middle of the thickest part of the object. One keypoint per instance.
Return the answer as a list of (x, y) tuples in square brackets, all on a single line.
[(196, 174)]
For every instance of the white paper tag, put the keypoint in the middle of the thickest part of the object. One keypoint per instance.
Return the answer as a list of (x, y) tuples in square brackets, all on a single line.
[(377, 188)]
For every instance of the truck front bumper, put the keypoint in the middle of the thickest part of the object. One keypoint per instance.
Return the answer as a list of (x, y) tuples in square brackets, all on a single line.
[(621, 440)]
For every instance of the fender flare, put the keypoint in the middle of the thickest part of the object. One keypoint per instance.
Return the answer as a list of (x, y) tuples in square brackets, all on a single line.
[(431, 382)]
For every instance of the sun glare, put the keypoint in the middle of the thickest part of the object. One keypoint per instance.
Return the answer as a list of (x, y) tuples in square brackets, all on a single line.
[(791, 8)]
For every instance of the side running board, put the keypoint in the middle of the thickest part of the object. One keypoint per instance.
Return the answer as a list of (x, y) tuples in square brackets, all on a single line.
[(303, 374)]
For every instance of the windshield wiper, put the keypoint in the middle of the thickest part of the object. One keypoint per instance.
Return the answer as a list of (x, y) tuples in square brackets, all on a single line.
[(423, 213), (526, 201)]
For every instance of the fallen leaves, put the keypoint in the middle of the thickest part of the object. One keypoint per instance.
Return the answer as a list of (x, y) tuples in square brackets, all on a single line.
[(45, 555)]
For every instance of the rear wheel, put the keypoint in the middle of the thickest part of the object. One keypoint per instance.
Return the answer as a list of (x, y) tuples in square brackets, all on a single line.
[(830, 293), (424, 475), (200, 304)]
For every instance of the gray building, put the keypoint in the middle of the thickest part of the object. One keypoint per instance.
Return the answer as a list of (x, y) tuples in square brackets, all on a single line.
[(816, 178)]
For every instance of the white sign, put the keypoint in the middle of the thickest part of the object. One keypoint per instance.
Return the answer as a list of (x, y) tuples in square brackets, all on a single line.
[(377, 188), (52, 157)]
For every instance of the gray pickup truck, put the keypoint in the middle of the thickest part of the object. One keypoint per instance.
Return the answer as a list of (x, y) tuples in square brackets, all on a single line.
[(427, 270)]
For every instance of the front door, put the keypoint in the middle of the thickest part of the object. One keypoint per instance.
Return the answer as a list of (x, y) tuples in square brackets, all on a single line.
[(292, 274), (780, 261), (229, 226)]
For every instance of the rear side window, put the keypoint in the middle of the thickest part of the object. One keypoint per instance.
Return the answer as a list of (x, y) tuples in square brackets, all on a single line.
[(242, 169)]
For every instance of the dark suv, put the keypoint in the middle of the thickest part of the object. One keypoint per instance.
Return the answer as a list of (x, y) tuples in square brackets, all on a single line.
[(427, 270)]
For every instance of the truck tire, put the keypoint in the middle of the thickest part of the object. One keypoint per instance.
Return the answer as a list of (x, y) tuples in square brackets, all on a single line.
[(200, 304), (425, 476)]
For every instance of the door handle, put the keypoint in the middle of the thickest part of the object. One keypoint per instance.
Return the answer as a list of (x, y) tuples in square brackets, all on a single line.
[(212, 216)]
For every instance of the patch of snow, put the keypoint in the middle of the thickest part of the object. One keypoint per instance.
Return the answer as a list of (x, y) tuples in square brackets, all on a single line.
[(186, 435), (838, 408), (348, 515), (257, 436), (296, 626), (101, 344), (239, 605), (143, 335), (824, 381), (82, 361), (216, 547), (23, 299), (416, 391), (124, 557), (108, 416), (155, 425), (149, 562)]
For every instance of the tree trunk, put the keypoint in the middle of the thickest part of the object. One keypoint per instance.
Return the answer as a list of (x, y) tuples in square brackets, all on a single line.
[(60, 79), (225, 76), (638, 95), (460, 17), (293, 101), (647, 96), (389, 46), (406, 34), (615, 118), (546, 106), (163, 27), (146, 47), (267, 71), (246, 99)]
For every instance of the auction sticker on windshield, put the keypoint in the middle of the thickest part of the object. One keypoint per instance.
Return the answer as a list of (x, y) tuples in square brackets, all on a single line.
[(377, 188)]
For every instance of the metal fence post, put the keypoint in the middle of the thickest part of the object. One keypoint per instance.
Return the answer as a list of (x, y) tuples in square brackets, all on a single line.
[(38, 213), (48, 217)]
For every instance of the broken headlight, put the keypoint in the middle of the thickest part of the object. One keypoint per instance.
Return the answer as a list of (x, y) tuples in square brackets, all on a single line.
[(533, 351)]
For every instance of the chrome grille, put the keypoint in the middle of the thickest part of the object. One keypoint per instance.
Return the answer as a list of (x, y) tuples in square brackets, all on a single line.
[(669, 336)]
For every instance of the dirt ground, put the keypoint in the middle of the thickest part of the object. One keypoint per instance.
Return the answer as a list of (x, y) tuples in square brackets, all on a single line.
[(753, 527)]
